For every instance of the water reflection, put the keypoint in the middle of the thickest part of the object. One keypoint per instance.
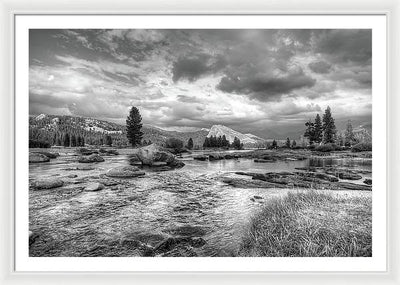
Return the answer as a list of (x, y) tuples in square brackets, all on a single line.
[(190, 199)]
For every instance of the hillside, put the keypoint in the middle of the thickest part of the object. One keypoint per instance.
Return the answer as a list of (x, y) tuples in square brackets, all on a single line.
[(230, 134), (51, 128)]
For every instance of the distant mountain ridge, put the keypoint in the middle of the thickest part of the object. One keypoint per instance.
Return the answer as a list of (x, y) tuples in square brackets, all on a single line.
[(230, 134), (48, 127)]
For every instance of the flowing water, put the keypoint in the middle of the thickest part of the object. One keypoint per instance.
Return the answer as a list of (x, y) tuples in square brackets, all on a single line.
[(191, 201)]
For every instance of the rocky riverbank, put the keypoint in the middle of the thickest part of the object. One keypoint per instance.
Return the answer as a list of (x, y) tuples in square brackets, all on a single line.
[(120, 207)]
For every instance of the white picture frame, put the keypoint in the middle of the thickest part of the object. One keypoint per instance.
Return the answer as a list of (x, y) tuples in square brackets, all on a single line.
[(10, 9)]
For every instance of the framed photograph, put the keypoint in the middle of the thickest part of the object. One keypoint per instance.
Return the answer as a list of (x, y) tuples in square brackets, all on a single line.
[(208, 142)]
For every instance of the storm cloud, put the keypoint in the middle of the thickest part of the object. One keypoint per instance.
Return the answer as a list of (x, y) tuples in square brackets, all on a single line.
[(320, 66), (185, 79)]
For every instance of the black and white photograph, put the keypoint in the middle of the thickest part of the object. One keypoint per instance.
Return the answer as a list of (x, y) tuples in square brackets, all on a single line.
[(200, 143)]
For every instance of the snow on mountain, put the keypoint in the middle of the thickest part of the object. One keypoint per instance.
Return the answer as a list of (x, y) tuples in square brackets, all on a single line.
[(220, 130), (255, 137), (40, 117)]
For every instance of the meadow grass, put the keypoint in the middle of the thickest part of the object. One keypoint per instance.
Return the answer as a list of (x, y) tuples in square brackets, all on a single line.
[(312, 224)]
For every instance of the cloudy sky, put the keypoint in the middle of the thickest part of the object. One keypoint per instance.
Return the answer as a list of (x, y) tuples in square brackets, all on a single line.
[(266, 82)]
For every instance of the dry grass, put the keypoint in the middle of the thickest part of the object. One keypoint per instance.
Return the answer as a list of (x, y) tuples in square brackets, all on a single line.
[(311, 224)]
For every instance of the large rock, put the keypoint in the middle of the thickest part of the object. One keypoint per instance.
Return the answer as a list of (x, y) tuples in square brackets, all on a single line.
[(37, 158), (349, 176), (263, 160), (125, 172), (245, 183), (47, 183), (94, 186), (353, 186), (368, 181), (48, 154), (108, 151), (86, 151), (91, 158), (134, 160), (200, 157), (32, 237), (151, 154)]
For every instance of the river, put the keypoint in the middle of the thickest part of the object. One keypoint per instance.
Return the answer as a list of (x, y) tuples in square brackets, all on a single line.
[(191, 201)]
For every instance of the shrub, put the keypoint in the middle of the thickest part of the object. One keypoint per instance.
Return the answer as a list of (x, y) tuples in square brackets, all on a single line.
[(174, 143), (362, 147), (297, 147), (327, 147)]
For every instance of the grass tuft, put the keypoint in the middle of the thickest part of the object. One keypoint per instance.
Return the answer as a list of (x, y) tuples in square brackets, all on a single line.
[(311, 224)]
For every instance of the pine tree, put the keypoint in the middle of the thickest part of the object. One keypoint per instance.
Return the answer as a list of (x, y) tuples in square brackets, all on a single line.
[(206, 143), (108, 140), (317, 129), (190, 143), (225, 142), (328, 127), (288, 143), (219, 141), (309, 133), (73, 141), (349, 138), (66, 140), (134, 126), (236, 143), (274, 144)]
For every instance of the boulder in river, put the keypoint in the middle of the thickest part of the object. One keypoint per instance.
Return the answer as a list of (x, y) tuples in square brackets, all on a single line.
[(125, 172), (91, 158), (49, 154), (94, 186), (368, 181), (353, 186), (200, 157), (38, 157), (86, 151), (134, 160), (263, 160), (47, 183), (349, 176), (108, 151), (151, 154)]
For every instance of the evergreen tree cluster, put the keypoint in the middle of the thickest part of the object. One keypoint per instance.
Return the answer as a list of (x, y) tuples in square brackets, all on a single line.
[(190, 143), (324, 131), (215, 141), (236, 144), (74, 132)]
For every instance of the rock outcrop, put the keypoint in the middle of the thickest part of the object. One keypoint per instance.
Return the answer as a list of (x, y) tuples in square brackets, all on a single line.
[(86, 151), (91, 158), (304, 180), (49, 154), (38, 157), (47, 184), (153, 155), (124, 172), (94, 186)]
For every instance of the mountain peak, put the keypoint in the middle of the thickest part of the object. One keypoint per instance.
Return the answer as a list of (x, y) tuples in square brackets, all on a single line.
[(230, 134)]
